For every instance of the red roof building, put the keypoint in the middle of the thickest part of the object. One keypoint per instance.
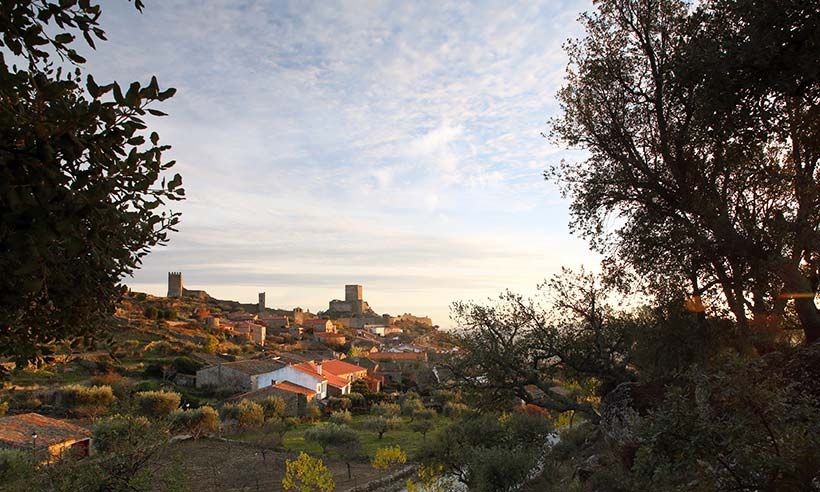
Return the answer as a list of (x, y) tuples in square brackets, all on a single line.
[(44, 435)]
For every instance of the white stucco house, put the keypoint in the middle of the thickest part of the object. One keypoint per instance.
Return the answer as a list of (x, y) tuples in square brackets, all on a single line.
[(303, 377)]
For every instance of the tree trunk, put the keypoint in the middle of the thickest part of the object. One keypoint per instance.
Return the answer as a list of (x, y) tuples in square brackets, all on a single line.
[(798, 287)]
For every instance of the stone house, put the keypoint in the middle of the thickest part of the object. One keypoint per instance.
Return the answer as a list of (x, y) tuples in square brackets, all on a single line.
[(245, 375), (48, 438), (275, 322), (296, 397), (320, 325), (332, 339), (252, 331)]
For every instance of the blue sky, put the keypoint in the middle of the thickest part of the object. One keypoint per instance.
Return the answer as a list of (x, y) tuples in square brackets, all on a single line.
[(393, 145)]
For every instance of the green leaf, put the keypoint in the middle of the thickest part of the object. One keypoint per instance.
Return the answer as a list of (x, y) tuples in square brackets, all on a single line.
[(75, 57), (133, 94), (64, 38), (167, 94), (156, 112), (118, 94), (175, 182)]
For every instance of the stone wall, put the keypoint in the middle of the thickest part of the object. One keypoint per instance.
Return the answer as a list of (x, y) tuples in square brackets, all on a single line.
[(221, 376)]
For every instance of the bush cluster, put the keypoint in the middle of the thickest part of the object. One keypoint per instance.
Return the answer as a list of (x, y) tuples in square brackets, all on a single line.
[(197, 422), (157, 403), (245, 413), (86, 400)]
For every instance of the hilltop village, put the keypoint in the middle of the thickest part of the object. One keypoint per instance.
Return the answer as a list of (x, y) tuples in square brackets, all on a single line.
[(188, 357), (301, 356)]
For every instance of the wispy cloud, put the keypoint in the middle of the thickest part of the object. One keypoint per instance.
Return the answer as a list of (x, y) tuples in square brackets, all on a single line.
[(394, 144)]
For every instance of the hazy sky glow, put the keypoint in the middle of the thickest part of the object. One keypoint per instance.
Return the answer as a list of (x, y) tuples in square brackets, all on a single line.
[(392, 145)]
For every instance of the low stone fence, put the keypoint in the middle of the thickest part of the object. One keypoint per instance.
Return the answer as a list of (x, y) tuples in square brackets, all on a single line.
[(394, 481)]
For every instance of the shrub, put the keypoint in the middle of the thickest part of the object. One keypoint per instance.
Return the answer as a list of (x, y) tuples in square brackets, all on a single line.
[(357, 400), (146, 386), (119, 385), (160, 347), (86, 401), (411, 406), (337, 403), (157, 403), (498, 450), (380, 425), (737, 422), (455, 410), (307, 474), (246, 413), (16, 465), (341, 417), (279, 428), (274, 407), (444, 396), (313, 411), (210, 344), (387, 457), (186, 365), (4, 407), (24, 400), (196, 422), (327, 435), (385, 409), (108, 434), (408, 395), (151, 312), (426, 414), (360, 386), (421, 426)]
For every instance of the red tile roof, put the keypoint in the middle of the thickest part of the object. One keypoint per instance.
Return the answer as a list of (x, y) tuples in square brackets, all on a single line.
[(340, 368), (312, 369), (15, 430), (294, 388), (261, 393)]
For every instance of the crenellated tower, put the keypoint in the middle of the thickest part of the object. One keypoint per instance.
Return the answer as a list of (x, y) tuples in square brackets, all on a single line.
[(174, 284)]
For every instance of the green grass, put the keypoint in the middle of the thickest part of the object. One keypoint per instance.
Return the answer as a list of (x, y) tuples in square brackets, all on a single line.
[(403, 437), (57, 374)]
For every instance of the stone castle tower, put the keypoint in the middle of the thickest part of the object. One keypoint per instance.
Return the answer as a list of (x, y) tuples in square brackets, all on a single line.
[(261, 301), (353, 293), (174, 284)]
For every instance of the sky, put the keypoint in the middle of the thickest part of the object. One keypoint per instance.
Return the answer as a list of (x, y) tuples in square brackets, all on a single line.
[(395, 145)]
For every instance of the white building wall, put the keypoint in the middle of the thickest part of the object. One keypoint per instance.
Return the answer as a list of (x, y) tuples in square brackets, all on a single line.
[(295, 376)]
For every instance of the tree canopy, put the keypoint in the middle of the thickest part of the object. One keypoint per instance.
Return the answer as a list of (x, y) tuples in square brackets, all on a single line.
[(82, 179), (701, 127)]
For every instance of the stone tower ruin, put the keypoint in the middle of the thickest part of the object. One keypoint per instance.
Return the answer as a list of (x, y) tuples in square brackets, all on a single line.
[(174, 284), (353, 293), (261, 301)]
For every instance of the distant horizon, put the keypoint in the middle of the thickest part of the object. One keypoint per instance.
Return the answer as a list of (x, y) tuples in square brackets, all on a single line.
[(393, 145)]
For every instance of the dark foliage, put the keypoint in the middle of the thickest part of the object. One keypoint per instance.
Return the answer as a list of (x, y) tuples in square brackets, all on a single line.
[(81, 180)]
